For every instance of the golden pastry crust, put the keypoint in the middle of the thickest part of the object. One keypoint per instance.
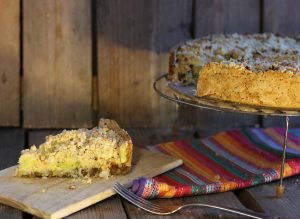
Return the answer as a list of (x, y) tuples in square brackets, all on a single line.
[(100, 152), (255, 69), (257, 52), (269, 88)]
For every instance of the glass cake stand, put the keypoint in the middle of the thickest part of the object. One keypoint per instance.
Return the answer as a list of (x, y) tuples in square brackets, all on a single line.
[(187, 95)]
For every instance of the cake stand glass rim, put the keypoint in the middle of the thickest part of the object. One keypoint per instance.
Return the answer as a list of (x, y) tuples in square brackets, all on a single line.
[(185, 97)]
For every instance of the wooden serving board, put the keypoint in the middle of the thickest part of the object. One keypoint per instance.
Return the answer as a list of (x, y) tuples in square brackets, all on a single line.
[(53, 197)]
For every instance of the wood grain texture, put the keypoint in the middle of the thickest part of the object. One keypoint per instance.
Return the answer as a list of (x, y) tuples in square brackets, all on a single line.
[(10, 63), (263, 197), (172, 24), (281, 17), (142, 137), (9, 212), (125, 65), (52, 198), (111, 208), (279, 121), (134, 38), (11, 144), (224, 16), (211, 122), (226, 199), (57, 84)]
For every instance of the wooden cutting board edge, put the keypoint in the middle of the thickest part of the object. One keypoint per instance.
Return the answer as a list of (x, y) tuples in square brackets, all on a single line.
[(87, 201), (25, 208), (109, 192)]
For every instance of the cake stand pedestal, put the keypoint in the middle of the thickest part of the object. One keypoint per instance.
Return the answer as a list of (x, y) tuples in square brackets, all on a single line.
[(187, 95)]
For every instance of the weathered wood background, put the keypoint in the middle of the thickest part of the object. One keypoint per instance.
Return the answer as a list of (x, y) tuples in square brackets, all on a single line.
[(64, 64)]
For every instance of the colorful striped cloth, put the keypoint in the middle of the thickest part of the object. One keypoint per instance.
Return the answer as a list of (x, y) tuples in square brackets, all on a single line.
[(225, 161)]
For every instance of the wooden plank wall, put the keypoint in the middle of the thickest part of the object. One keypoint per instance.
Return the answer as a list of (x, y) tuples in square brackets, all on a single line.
[(54, 47), (10, 63), (133, 40), (57, 82), (11, 143)]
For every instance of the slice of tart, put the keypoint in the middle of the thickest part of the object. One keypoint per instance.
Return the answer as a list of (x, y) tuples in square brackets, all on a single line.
[(100, 152)]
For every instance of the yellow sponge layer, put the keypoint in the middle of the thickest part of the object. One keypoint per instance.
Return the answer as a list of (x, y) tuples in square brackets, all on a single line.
[(238, 84), (103, 151)]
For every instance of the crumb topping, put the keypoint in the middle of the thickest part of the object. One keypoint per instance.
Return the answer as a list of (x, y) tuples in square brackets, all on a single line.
[(78, 153), (255, 52)]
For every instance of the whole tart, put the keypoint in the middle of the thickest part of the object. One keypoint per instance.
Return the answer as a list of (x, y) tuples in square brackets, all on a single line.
[(100, 152), (256, 69)]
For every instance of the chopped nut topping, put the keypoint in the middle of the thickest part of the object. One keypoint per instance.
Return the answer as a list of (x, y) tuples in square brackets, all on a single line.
[(259, 52)]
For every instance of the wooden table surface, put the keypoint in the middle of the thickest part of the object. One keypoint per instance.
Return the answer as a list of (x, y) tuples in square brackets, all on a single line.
[(260, 198)]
